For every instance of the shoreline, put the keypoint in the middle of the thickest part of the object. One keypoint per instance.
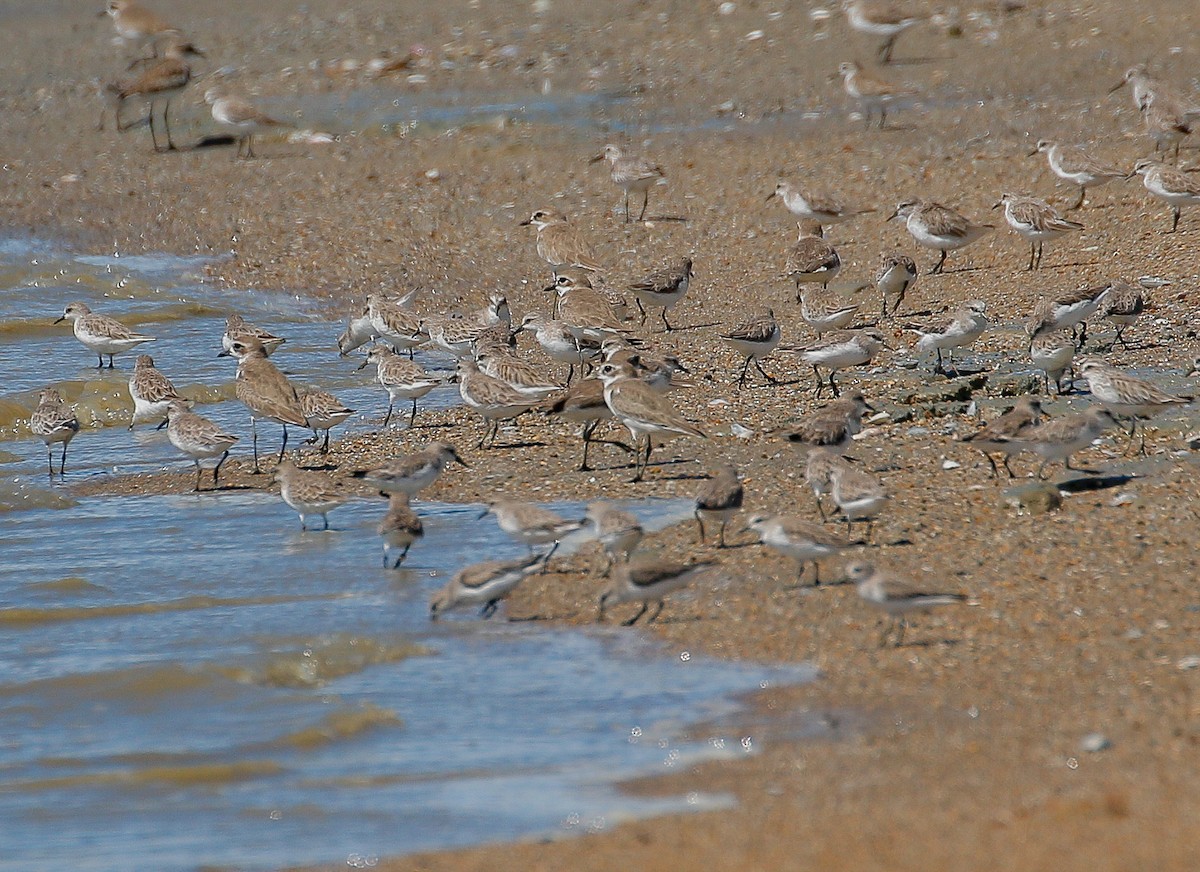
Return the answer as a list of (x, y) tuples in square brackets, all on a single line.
[(1079, 621)]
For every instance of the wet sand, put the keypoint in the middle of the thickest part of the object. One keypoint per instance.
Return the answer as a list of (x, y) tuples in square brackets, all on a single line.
[(962, 749)]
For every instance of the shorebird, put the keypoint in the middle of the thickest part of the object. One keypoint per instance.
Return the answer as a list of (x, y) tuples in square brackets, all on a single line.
[(1052, 351), (617, 531), (811, 259), (521, 375), (896, 597), (54, 422), (842, 351), (322, 411), (824, 312), (559, 242), (895, 274), (159, 79), (968, 324), (879, 20), (810, 205), (1035, 220), (237, 327), (532, 525), (396, 324), (242, 117), (197, 437), (1123, 305), (583, 404), (644, 411), (647, 579), (136, 24), (1164, 125), (1070, 310), (872, 93), (400, 528), (719, 499), (830, 427), (265, 391), (488, 583), (1025, 414), (492, 399), (1144, 87), (858, 495), (560, 342), (152, 392), (1175, 188), (308, 491), (938, 227), (1076, 166), (400, 377), (795, 537), (359, 331), (663, 288), (631, 173), (755, 337), (100, 333), (1125, 395), (1058, 438), (412, 473)]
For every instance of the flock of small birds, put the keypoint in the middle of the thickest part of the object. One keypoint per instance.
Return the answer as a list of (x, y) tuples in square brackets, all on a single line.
[(600, 331)]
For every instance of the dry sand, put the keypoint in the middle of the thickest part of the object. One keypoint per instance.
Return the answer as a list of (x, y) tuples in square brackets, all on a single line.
[(961, 750)]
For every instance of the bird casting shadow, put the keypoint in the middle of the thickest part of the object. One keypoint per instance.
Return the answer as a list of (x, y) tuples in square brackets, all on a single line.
[(1095, 483)]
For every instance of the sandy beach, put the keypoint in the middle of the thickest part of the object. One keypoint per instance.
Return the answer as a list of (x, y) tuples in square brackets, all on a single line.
[(1051, 721)]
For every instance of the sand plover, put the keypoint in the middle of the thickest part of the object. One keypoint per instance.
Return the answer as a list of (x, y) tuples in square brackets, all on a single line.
[(840, 351), (159, 79), (617, 531), (1076, 166), (1052, 352), (1175, 188), (719, 499), (490, 398), (876, 19), (197, 437), (560, 342), (810, 205), (811, 259), (824, 312), (265, 391), (412, 473), (663, 288), (359, 331), (938, 227), (647, 579), (896, 597), (644, 411), (818, 474), (152, 392), (831, 427), (795, 537), (873, 94), (967, 325), (1037, 221), (1144, 87), (242, 117), (1164, 125), (998, 435), (755, 337), (1125, 395), (100, 333), (631, 173), (895, 274), (53, 421), (401, 378), (322, 411), (858, 495), (1058, 438), (135, 23), (486, 583), (237, 327), (400, 528), (559, 243), (308, 491)]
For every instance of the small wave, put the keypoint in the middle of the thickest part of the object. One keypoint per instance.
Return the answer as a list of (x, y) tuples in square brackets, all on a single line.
[(315, 665), (339, 725), (31, 617), (189, 775)]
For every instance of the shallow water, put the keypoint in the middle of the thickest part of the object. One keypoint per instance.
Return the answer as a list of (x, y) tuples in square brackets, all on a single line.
[(177, 696), (162, 296)]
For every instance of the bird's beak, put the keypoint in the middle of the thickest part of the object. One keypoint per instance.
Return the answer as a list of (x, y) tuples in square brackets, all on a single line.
[(890, 217), (1117, 86), (770, 196), (596, 158), (458, 459), (224, 353), (483, 514), (998, 205), (868, 407), (526, 222), (363, 365), (60, 320), (1032, 153), (549, 288)]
